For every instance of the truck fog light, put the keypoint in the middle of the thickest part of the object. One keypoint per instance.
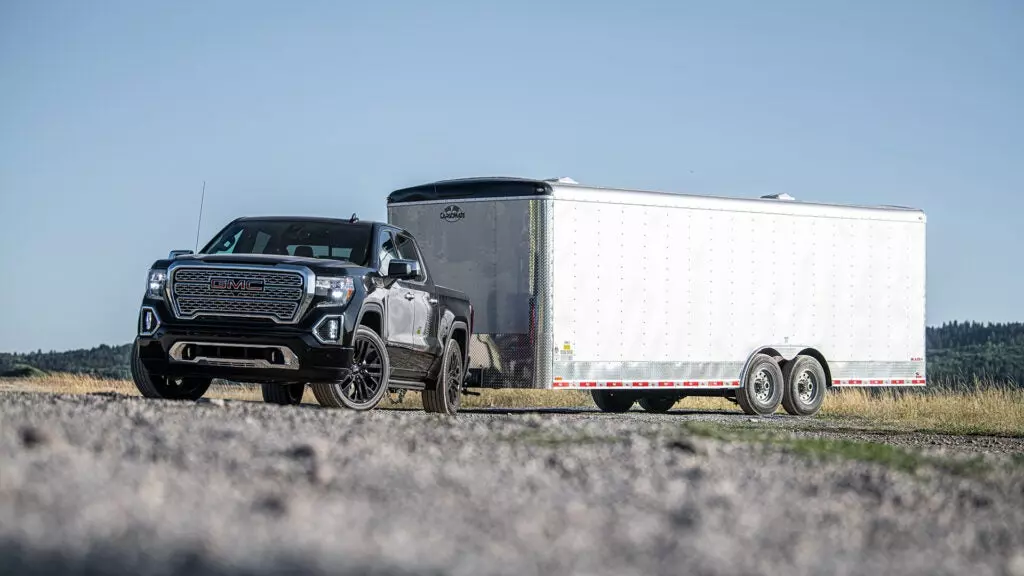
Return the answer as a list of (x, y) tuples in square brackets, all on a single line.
[(149, 322), (328, 330)]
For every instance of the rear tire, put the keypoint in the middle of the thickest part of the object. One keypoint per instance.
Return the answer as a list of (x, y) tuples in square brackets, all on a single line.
[(155, 386), (762, 391), (805, 384), (657, 405), (283, 394), (613, 400), (366, 382), (446, 395)]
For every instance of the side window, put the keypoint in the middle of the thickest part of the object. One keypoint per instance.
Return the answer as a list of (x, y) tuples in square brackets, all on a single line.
[(407, 250), (387, 251)]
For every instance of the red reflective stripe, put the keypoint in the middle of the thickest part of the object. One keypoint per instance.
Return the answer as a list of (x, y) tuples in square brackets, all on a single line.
[(641, 384), (613, 384), (666, 384)]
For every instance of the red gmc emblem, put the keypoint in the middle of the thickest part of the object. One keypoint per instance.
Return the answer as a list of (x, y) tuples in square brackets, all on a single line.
[(236, 284)]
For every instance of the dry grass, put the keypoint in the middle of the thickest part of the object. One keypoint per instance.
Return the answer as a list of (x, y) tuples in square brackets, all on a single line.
[(986, 410)]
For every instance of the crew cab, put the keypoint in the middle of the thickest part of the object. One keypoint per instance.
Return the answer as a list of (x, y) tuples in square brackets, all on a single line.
[(345, 306)]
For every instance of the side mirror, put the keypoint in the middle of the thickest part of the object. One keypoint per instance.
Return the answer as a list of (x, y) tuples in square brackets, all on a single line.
[(175, 253), (403, 269)]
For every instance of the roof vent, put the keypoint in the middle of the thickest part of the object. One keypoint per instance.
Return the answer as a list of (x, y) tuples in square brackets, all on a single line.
[(782, 196), (562, 180)]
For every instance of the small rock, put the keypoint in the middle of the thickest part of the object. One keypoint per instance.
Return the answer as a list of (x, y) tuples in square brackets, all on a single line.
[(311, 450), (273, 505), (317, 470), (32, 437), (689, 445), (219, 402), (752, 420)]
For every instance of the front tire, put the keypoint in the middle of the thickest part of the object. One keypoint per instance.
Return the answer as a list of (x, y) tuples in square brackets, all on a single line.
[(612, 400), (446, 395), (367, 380), (762, 392), (283, 394), (804, 389), (155, 386)]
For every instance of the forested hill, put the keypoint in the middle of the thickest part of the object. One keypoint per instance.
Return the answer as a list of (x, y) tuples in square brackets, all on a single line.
[(958, 352), (103, 361)]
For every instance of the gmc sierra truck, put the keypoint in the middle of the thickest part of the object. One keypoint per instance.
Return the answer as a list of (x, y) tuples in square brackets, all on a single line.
[(346, 306)]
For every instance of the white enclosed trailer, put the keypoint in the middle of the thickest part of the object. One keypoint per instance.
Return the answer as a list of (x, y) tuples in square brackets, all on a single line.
[(654, 296)]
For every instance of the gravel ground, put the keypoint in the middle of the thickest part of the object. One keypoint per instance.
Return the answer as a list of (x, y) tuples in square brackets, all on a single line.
[(123, 485)]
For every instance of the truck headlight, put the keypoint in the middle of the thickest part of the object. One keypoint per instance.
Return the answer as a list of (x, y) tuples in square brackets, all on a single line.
[(156, 283), (337, 290)]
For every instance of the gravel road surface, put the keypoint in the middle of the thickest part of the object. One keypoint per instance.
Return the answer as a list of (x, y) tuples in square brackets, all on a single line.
[(123, 485)]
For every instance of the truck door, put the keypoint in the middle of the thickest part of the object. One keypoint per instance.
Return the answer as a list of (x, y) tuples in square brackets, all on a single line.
[(400, 312), (425, 346)]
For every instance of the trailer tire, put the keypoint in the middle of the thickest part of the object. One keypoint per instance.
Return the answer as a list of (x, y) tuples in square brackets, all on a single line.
[(804, 389), (151, 386), (761, 393), (370, 361), (283, 394), (657, 405), (612, 400), (445, 396)]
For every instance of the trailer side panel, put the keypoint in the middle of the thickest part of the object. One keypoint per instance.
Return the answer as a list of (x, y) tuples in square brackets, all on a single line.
[(651, 293)]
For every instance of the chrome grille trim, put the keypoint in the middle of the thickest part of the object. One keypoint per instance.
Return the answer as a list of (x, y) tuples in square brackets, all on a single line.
[(290, 359), (287, 294)]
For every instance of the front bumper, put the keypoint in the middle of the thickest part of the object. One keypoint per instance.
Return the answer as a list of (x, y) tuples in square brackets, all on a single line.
[(242, 353)]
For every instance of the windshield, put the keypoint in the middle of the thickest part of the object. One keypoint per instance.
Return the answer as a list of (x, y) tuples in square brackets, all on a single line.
[(331, 240)]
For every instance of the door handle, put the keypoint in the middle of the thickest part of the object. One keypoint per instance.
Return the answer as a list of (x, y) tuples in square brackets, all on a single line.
[(409, 295)]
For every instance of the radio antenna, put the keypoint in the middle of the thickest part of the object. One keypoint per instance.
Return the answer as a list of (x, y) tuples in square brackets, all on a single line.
[(200, 223)]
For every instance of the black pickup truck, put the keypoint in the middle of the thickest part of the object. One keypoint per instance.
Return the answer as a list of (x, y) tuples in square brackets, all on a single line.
[(345, 306)]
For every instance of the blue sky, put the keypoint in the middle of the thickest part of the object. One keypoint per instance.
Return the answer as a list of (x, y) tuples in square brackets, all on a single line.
[(113, 113)]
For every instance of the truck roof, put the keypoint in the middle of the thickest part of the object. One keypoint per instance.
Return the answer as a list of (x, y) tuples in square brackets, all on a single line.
[(509, 187), (321, 219)]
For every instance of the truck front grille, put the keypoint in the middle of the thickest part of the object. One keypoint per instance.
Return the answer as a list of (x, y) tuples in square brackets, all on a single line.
[(233, 292)]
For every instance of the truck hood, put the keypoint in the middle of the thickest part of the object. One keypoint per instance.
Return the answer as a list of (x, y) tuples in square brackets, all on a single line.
[(316, 264)]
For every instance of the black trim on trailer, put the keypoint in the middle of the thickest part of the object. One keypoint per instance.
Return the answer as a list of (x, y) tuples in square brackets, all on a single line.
[(470, 188)]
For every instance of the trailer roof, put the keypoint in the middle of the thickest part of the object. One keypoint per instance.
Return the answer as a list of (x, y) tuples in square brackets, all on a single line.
[(508, 187), (468, 188)]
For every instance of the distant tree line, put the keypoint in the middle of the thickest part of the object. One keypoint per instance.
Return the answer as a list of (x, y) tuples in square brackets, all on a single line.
[(962, 353), (959, 353), (103, 361)]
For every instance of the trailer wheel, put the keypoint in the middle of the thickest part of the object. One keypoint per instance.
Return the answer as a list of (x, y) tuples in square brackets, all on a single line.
[(283, 394), (762, 391), (658, 405), (804, 389), (612, 400), (446, 395), (154, 386), (366, 382)]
